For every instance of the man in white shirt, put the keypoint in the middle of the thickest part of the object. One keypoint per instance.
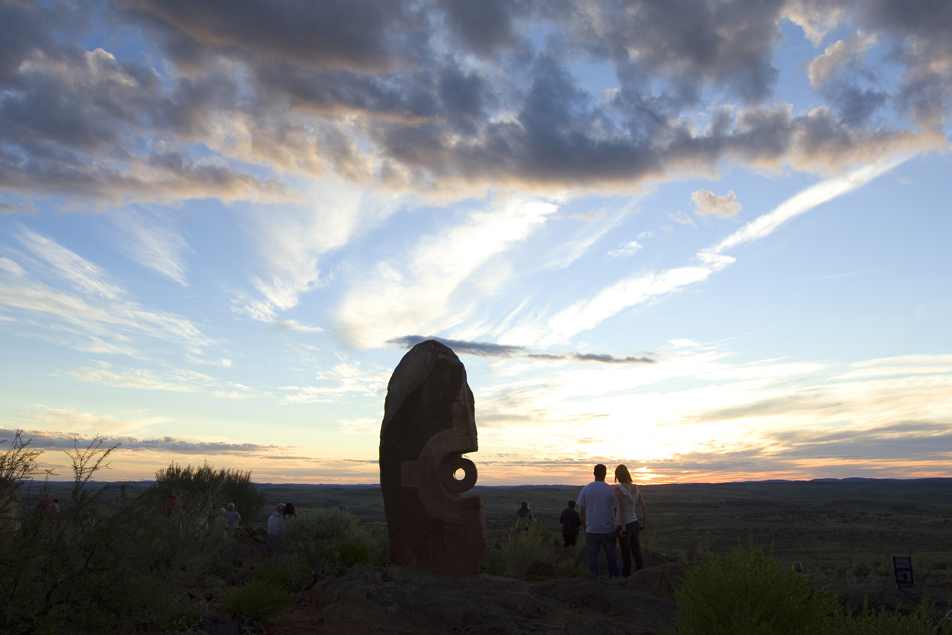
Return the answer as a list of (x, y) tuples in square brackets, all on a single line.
[(597, 504)]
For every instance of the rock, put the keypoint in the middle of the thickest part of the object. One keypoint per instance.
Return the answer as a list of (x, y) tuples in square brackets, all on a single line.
[(659, 581), (429, 423), (540, 570), (396, 600)]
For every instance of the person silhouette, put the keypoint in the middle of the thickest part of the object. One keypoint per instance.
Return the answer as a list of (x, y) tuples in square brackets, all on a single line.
[(597, 504), (627, 526), (524, 519), (571, 522)]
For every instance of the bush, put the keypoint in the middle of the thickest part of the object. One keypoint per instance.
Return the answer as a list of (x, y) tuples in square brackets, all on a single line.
[(110, 562), (258, 600), (210, 488), (516, 552), (748, 592), (869, 622), (325, 541)]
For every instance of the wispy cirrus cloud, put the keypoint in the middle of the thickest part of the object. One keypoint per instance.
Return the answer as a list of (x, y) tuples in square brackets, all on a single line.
[(54, 290), (154, 245), (415, 293), (644, 287), (170, 380)]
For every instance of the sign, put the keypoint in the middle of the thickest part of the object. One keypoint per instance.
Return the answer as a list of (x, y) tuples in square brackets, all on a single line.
[(902, 567)]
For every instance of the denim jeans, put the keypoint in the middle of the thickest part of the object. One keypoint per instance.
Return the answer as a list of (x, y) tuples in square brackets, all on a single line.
[(630, 544), (592, 543)]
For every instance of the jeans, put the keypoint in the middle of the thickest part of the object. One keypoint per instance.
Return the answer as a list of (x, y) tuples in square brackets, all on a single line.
[(630, 543), (592, 543)]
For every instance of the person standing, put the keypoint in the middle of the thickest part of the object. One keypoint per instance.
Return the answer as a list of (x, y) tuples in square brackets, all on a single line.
[(232, 517), (597, 504), (276, 520), (626, 520), (571, 521), (524, 519)]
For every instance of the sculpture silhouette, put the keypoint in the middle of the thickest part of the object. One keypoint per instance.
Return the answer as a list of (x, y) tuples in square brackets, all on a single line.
[(429, 423)]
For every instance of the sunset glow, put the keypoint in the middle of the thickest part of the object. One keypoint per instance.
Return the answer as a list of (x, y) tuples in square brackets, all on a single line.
[(712, 258)]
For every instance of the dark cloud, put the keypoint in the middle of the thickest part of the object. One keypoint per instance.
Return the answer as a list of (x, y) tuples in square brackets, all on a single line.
[(480, 349), (447, 96), (50, 441), (592, 357), (685, 43), (486, 349), (363, 36), (484, 28), (908, 440)]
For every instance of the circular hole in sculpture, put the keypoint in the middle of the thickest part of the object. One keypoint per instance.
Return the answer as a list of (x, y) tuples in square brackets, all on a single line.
[(459, 474)]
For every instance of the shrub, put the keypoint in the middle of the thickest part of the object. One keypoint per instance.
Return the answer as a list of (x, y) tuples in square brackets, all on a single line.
[(212, 489), (883, 622), (326, 541), (258, 600), (748, 592), (516, 552), (109, 562)]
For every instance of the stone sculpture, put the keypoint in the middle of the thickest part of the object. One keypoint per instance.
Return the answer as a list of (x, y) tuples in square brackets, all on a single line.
[(428, 424)]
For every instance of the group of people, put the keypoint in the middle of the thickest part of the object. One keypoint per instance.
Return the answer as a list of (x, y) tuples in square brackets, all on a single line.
[(609, 516)]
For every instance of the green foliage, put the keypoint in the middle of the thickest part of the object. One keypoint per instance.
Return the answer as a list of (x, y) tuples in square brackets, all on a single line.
[(749, 592), (258, 600), (919, 622), (327, 541), (110, 562), (211, 488), (516, 552)]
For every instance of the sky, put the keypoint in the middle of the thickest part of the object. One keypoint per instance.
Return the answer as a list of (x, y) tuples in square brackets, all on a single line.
[(706, 239)]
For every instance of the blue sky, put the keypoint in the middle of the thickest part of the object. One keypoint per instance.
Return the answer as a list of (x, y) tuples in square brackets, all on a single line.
[(707, 240)]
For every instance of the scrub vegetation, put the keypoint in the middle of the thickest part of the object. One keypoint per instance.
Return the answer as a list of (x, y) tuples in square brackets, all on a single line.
[(120, 559), (747, 591)]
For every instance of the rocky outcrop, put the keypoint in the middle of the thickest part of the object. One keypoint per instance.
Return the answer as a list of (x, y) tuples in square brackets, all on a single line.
[(395, 600)]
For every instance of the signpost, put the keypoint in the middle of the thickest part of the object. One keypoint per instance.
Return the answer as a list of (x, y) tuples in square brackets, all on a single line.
[(902, 569)]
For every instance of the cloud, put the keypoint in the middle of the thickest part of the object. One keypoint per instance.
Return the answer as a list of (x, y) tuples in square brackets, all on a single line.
[(293, 241), (480, 349), (591, 357), (683, 219), (643, 287), (66, 293), (82, 274), (419, 293), (52, 441), (342, 381), (292, 326), (837, 55), (361, 426), (440, 100), (625, 249), (708, 203), (801, 203), (141, 379), (153, 245)]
